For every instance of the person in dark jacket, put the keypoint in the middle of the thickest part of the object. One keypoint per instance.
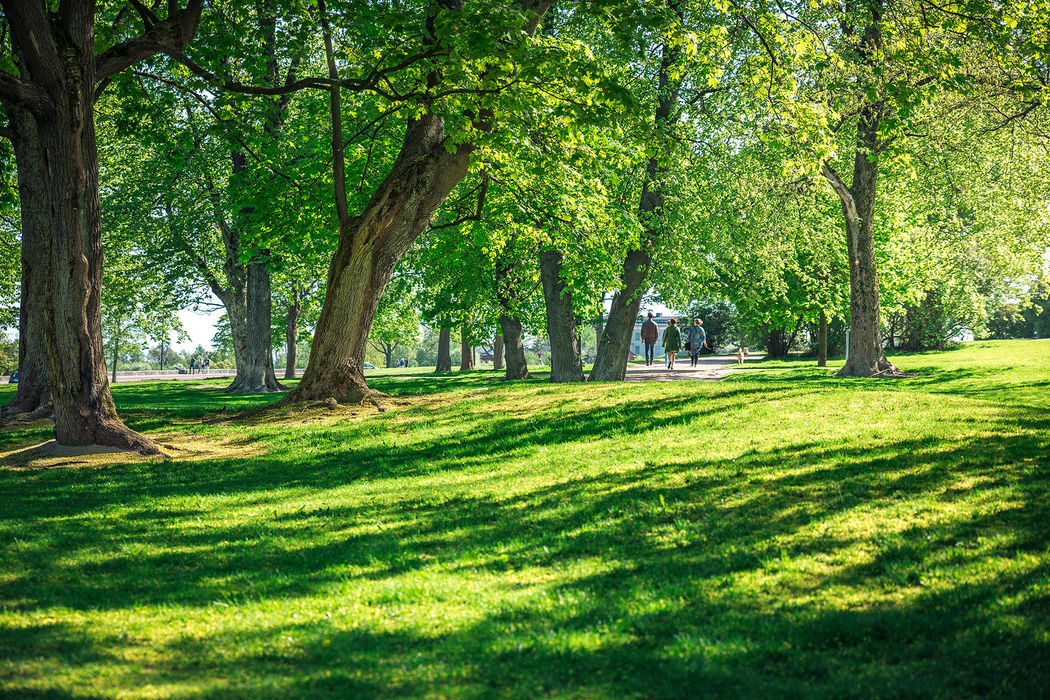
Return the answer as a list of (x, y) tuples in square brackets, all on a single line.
[(672, 341), (650, 334)]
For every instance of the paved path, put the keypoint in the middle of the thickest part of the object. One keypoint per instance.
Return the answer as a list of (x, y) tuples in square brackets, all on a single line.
[(711, 368)]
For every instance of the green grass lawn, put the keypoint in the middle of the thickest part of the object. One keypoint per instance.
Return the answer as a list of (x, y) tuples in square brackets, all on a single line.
[(780, 534)]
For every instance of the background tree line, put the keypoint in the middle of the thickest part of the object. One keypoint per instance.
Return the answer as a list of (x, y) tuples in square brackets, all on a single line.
[(336, 174)]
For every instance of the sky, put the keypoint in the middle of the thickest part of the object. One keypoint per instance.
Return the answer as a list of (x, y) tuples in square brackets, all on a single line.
[(200, 326)]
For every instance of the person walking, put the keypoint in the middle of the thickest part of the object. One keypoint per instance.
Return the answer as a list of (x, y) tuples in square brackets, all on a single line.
[(207, 364), (650, 334), (695, 338), (193, 364), (672, 341)]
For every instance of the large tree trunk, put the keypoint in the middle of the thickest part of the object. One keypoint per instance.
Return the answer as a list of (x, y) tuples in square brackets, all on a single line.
[(497, 352), (610, 364), (822, 340), (444, 360), (291, 333), (866, 356), (370, 245), (84, 410), (561, 320), (257, 373), (517, 367), (34, 367), (60, 71), (466, 351)]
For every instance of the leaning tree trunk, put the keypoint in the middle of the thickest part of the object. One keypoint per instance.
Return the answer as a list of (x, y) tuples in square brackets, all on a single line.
[(866, 356), (561, 320), (822, 340), (424, 173), (444, 359), (291, 334), (370, 245), (497, 352), (610, 364), (466, 351), (517, 367), (257, 375), (34, 368)]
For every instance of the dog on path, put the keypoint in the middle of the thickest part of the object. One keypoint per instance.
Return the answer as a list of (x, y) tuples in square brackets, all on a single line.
[(740, 355)]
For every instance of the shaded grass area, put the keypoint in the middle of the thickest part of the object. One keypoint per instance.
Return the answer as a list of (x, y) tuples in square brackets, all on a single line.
[(779, 534)]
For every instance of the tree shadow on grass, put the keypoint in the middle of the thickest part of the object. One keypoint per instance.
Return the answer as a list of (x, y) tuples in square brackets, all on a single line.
[(663, 622), (697, 589)]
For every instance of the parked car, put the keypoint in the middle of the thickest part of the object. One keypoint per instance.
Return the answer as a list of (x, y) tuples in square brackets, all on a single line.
[(369, 365), (14, 377), (486, 357)]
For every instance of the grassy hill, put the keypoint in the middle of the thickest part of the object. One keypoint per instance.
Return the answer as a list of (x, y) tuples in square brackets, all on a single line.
[(779, 534)]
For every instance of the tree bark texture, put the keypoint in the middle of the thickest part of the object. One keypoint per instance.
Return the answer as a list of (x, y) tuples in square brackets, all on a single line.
[(34, 367), (610, 363), (59, 71), (256, 375), (291, 333), (822, 340), (466, 350), (84, 410), (866, 356), (564, 336), (517, 367), (497, 352), (444, 359)]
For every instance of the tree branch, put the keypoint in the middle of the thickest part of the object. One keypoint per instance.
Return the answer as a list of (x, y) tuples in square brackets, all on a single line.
[(233, 86), (202, 266), (849, 206), (338, 158), (24, 94), (172, 34)]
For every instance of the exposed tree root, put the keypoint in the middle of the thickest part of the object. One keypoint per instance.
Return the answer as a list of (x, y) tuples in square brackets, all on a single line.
[(15, 416), (882, 368), (116, 434), (267, 387)]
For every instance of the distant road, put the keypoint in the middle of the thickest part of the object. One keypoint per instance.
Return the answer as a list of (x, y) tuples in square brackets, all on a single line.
[(167, 374)]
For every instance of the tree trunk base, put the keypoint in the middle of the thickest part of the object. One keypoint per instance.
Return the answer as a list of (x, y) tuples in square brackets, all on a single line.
[(109, 432), (243, 385), (14, 413), (343, 384), (879, 368)]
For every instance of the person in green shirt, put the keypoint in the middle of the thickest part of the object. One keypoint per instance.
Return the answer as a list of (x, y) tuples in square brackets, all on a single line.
[(672, 341)]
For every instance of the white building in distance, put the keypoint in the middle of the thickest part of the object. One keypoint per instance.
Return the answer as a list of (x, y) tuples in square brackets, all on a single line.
[(637, 346)]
